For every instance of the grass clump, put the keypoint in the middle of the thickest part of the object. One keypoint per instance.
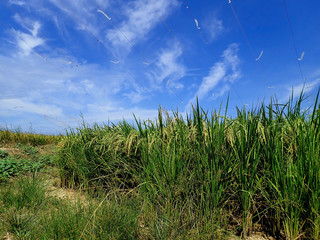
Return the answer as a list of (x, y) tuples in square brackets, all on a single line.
[(111, 220), (28, 212), (20, 203), (230, 175), (25, 193)]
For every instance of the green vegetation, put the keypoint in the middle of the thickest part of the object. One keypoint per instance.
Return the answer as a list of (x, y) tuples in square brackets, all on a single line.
[(33, 206), (11, 166), (27, 212), (27, 149), (206, 175), (202, 177), (33, 139), (3, 154)]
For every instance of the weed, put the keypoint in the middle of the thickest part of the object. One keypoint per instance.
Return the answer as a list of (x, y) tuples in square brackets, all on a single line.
[(3, 154), (10, 166), (27, 149), (25, 193)]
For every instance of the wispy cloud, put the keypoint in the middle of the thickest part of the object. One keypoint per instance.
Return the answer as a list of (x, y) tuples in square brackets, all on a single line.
[(137, 93), (104, 113), (27, 42), (30, 25), (168, 68), (81, 14), (142, 16), (224, 71), (135, 96), (25, 105), (295, 91), (81, 9), (213, 27), (38, 91), (17, 2), (103, 3)]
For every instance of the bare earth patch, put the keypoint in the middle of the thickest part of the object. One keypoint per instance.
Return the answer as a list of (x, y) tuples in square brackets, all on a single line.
[(255, 236), (259, 236), (7, 237), (11, 150), (54, 190)]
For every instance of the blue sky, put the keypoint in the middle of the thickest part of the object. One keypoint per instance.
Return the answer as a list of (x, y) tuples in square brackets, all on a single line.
[(108, 59)]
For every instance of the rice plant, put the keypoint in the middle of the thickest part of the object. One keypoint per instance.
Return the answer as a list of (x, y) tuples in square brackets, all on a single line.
[(13, 137), (259, 168)]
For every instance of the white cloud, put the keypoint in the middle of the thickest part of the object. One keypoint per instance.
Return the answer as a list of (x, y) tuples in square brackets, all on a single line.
[(297, 89), (103, 3), (77, 10), (213, 27), (25, 105), (104, 113), (216, 74), (137, 94), (142, 16), (221, 91), (30, 25), (44, 91), (73, 88), (224, 71), (60, 25), (80, 14), (17, 2), (168, 68), (27, 42)]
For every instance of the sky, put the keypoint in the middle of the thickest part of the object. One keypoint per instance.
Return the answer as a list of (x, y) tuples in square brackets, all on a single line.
[(62, 62)]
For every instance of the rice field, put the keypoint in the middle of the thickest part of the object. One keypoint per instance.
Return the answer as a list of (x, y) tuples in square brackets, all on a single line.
[(198, 176), (11, 137), (205, 175)]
